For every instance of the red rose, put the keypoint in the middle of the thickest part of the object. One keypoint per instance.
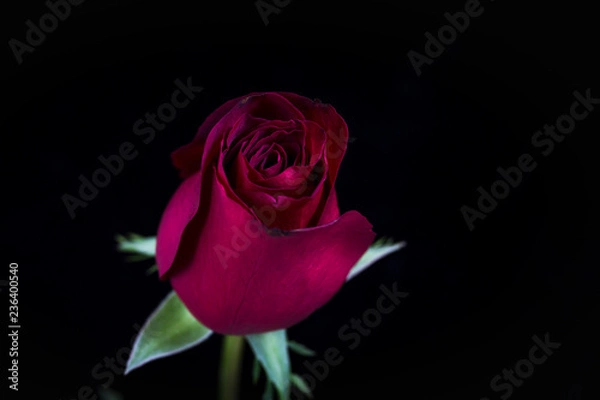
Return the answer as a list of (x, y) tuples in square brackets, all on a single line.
[(252, 240)]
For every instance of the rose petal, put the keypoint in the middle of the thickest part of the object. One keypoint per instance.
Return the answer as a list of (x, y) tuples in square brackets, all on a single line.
[(245, 179), (333, 124), (238, 279), (187, 159), (268, 106), (266, 134), (274, 162), (330, 210), (315, 140), (241, 133), (295, 200), (180, 210), (257, 157), (270, 109)]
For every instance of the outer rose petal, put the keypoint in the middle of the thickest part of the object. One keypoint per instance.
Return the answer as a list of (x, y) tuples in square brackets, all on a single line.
[(237, 278), (187, 159), (181, 209)]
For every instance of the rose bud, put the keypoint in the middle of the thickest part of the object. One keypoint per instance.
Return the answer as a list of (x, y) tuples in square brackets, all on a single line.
[(253, 240)]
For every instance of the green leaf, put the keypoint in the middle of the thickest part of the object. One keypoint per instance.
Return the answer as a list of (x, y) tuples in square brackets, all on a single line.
[(255, 371), (300, 349), (300, 384), (136, 244), (170, 329), (137, 257), (376, 252), (268, 394), (109, 394), (270, 349)]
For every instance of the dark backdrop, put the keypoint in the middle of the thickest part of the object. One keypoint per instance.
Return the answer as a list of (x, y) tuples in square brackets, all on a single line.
[(423, 145)]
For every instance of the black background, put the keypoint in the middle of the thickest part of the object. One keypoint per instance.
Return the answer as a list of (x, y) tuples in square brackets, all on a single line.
[(423, 146)]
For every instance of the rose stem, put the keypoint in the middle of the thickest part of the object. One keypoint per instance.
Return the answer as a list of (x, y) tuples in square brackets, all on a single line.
[(231, 367)]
